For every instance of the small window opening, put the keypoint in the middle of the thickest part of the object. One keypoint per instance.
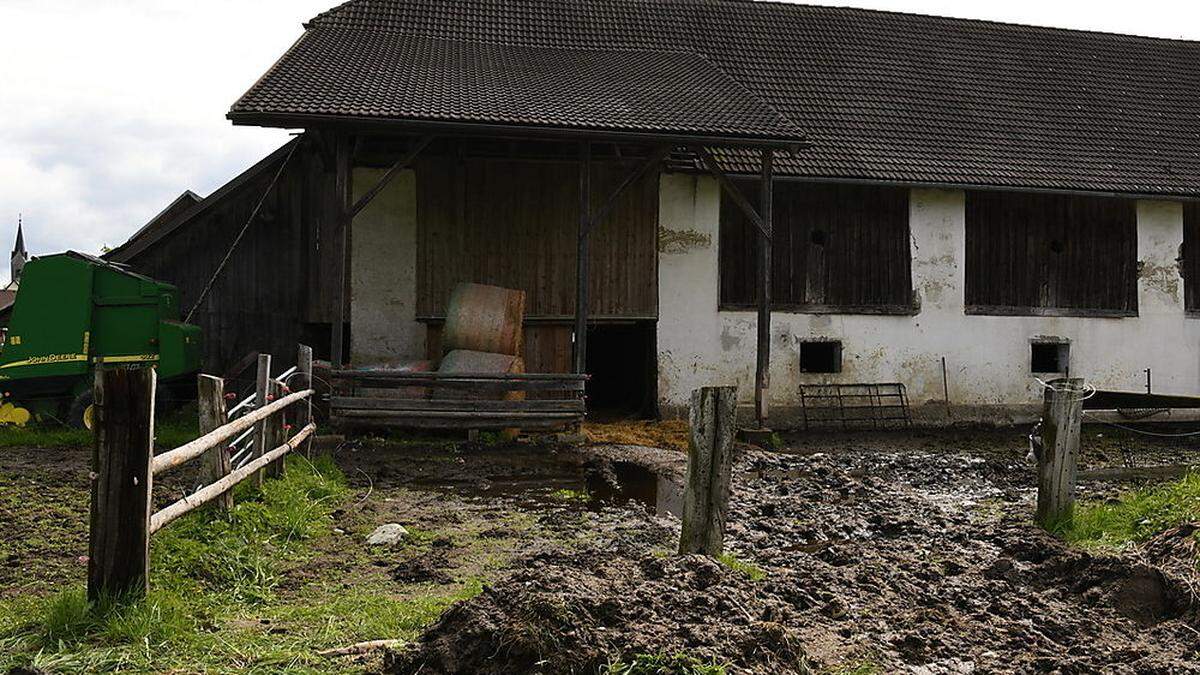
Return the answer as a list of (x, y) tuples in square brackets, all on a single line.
[(818, 237), (1056, 246), (823, 356), (1049, 357)]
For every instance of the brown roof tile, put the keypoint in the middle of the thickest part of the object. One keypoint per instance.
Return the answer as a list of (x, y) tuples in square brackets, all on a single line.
[(881, 95)]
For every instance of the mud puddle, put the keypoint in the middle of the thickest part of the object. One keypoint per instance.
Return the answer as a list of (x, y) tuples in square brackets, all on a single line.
[(540, 480)]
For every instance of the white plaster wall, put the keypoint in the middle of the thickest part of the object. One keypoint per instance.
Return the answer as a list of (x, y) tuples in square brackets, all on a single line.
[(987, 357), (383, 273)]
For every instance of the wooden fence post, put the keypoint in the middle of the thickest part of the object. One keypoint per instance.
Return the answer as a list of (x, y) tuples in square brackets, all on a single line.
[(1062, 416), (304, 365), (260, 401), (119, 526), (210, 396), (276, 432), (713, 424)]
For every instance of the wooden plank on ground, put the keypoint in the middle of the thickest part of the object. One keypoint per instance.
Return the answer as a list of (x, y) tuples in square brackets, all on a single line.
[(460, 383), (430, 422), (342, 403)]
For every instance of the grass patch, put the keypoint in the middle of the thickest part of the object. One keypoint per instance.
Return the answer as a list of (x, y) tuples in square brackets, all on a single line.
[(171, 430), (1135, 516), (219, 602), (569, 495), (43, 436), (864, 667), (748, 569), (665, 664)]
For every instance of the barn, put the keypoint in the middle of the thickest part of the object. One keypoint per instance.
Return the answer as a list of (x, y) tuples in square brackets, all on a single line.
[(693, 192)]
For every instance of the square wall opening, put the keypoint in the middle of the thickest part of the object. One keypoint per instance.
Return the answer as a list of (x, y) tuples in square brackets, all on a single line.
[(1049, 357), (821, 356)]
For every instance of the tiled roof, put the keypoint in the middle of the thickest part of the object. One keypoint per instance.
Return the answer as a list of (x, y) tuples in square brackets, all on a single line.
[(881, 95), (383, 75)]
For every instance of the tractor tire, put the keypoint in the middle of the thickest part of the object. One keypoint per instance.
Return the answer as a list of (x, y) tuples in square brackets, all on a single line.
[(80, 414)]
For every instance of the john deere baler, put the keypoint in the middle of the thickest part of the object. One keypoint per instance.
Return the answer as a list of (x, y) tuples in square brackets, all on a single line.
[(73, 310)]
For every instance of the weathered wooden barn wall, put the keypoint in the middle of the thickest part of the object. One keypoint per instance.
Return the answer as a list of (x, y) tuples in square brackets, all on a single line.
[(836, 248), (514, 223), (271, 294), (1190, 257), (1049, 254)]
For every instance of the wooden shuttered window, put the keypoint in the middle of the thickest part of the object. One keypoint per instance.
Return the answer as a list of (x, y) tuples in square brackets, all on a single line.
[(836, 249), (1190, 257), (1056, 255)]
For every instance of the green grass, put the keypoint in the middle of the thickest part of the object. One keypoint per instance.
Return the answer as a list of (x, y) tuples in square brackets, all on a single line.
[(1134, 517), (863, 667), (172, 430), (749, 569), (665, 664), (44, 436), (569, 495), (217, 601)]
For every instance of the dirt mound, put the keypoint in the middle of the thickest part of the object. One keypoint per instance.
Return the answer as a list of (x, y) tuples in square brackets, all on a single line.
[(1177, 551), (576, 613)]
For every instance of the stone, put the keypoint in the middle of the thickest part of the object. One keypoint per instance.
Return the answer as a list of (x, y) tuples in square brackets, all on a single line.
[(387, 535)]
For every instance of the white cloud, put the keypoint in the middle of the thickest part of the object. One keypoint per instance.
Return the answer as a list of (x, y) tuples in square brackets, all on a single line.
[(108, 110)]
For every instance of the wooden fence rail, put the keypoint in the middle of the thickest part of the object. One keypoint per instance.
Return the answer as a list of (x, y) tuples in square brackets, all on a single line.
[(124, 466)]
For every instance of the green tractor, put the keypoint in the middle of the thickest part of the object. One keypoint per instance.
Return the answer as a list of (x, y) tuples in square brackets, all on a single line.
[(73, 311)]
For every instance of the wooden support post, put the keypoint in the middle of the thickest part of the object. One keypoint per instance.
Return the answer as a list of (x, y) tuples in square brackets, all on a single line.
[(579, 356), (119, 528), (261, 390), (1062, 416), (304, 366), (276, 429), (342, 187), (712, 419), (210, 398), (762, 378)]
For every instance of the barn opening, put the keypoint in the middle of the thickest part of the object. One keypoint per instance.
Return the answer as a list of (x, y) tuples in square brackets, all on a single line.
[(621, 359)]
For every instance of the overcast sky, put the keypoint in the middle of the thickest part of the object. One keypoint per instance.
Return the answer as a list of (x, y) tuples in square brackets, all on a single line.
[(110, 109)]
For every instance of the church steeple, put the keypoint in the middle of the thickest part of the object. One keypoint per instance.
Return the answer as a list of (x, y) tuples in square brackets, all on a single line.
[(19, 255)]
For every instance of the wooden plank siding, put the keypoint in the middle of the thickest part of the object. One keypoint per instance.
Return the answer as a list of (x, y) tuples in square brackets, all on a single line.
[(836, 248), (1190, 265), (1041, 254), (274, 282), (514, 223)]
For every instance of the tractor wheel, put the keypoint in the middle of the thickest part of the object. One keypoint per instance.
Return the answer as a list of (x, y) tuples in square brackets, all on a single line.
[(81, 415)]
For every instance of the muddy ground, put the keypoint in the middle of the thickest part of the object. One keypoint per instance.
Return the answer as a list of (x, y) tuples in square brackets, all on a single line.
[(897, 552)]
